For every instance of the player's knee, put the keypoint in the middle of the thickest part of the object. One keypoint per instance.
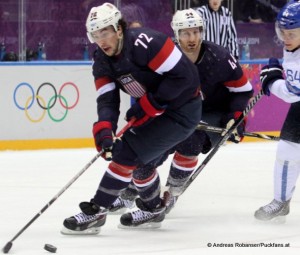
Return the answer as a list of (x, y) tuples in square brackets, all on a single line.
[(119, 171), (184, 162), (198, 142), (144, 173), (288, 152)]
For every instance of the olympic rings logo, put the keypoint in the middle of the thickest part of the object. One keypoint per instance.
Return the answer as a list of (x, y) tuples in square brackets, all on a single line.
[(46, 97)]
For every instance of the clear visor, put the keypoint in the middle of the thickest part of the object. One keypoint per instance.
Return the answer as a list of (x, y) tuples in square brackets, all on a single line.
[(287, 34), (102, 34), (189, 32)]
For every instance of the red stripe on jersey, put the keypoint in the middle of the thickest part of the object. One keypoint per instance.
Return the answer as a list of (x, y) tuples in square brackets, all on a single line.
[(102, 81), (122, 170), (185, 161), (162, 55), (149, 179), (237, 83)]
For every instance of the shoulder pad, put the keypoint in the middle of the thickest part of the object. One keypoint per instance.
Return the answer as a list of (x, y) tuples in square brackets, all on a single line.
[(216, 51)]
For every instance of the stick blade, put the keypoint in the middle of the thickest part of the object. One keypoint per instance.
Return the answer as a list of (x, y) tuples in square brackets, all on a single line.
[(7, 247)]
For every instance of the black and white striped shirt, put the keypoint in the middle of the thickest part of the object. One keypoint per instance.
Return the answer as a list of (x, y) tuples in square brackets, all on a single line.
[(220, 28)]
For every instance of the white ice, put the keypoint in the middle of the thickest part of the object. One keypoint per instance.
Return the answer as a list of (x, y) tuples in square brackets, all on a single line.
[(217, 208)]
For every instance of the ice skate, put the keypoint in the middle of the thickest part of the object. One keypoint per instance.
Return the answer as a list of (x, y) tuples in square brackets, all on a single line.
[(124, 202), (275, 211), (87, 222), (121, 205), (169, 201), (143, 218)]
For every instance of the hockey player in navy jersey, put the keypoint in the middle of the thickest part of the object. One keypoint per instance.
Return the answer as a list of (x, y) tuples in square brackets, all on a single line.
[(148, 66), (287, 164), (226, 91)]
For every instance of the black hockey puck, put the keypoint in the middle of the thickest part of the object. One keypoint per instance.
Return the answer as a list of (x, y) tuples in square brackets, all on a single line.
[(50, 248)]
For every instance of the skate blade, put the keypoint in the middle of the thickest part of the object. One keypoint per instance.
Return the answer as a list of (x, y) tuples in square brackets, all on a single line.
[(279, 220), (275, 221), (149, 225), (90, 231), (122, 210), (118, 212)]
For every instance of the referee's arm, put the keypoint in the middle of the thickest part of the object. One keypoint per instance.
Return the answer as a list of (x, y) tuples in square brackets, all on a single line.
[(232, 38)]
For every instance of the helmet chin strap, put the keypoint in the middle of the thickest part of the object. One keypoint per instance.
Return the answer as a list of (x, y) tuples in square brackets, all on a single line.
[(294, 49)]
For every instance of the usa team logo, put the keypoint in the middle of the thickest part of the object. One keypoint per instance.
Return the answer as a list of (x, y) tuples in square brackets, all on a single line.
[(131, 86)]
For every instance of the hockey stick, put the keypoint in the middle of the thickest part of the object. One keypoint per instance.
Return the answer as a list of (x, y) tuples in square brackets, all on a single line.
[(8, 246), (208, 128), (268, 4), (223, 140), (262, 136)]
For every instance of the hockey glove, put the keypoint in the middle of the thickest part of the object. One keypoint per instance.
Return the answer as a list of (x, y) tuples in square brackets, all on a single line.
[(269, 74), (103, 137), (144, 110), (238, 134)]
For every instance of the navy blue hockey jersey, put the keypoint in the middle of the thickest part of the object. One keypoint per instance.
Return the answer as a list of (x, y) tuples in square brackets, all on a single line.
[(223, 82), (149, 63)]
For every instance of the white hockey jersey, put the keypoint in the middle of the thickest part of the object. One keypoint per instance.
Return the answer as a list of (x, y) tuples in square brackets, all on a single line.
[(289, 89)]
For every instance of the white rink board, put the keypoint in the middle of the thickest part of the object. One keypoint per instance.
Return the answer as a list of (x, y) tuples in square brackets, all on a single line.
[(19, 83)]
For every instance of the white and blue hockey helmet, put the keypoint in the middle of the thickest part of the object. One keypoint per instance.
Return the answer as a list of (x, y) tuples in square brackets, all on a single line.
[(288, 18), (100, 17), (183, 19)]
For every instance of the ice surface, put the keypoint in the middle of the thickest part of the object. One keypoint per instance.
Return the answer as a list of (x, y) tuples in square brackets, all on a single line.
[(217, 208)]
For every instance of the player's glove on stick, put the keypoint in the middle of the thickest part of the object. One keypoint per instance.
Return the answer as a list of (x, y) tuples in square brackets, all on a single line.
[(269, 74), (237, 135), (144, 110), (103, 137)]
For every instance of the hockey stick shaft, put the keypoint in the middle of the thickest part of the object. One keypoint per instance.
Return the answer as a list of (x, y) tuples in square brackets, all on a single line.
[(250, 134), (223, 139), (9, 244), (262, 136), (268, 4)]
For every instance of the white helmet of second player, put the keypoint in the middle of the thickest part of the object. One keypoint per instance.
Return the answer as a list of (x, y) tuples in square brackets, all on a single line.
[(102, 16), (183, 19)]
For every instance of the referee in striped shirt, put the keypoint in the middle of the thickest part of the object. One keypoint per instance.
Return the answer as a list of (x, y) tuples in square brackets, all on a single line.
[(220, 27)]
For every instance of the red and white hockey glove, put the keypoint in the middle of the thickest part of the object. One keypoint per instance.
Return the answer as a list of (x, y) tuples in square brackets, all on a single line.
[(238, 134), (103, 137), (144, 110)]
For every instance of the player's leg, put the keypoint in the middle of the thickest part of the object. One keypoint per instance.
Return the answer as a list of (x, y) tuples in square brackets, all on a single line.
[(150, 211), (181, 123), (286, 169), (141, 145), (116, 178), (127, 198), (183, 164), (125, 201), (286, 173)]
